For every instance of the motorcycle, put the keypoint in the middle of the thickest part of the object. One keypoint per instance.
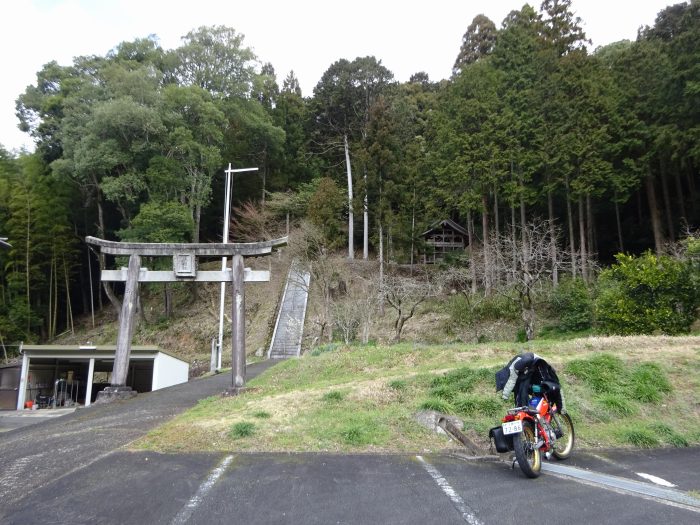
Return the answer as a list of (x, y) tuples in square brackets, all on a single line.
[(534, 430)]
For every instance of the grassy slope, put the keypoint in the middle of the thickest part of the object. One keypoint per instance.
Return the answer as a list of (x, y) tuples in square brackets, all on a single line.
[(362, 399)]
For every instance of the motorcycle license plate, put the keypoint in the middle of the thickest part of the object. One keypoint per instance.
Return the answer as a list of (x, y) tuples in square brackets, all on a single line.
[(512, 427)]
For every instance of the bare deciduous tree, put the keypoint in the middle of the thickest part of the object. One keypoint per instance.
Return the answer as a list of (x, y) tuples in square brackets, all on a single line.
[(526, 261), (308, 246), (404, 295)]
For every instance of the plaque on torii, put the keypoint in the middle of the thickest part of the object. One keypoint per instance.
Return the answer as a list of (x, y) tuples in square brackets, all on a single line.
[(184, 256)]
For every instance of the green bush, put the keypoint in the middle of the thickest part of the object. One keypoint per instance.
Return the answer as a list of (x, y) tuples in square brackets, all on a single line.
[(603, 373), (669, 435), (474, 405), (648, 383), (445, 392), (398, 384), (463, 379), (242, 429), (439, 405), (466, 312), (616, 404), (333, 396), (638, 436), (647, 294), (572, 304)]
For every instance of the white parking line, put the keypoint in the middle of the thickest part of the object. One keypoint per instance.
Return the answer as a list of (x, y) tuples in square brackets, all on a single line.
[(655, 479), (463, 508), (186, 512)]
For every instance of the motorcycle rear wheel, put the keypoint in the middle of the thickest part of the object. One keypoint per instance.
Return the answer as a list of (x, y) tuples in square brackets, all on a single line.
[(565, 444), (529, 458)]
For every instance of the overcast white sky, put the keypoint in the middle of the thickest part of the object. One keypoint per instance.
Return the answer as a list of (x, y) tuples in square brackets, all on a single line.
[(304, 35)]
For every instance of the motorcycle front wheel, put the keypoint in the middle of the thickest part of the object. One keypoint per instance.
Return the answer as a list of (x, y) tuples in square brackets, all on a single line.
[(564, 444), (529, 458)]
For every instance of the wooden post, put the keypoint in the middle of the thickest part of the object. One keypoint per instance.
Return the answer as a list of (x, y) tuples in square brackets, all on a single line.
[(126, 323), (238, 324)]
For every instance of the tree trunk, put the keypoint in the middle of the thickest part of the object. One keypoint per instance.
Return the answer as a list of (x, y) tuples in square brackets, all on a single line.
[(667, 203), (620, 243), (398, 327), (116, 303), (197, 222), (470, 237), (496, 221), (381, 269), (570, 224), (592, 241), (52, 314), (529, 318), (351, 232), (552, 239), (691, 186), (514, 244), (365, 222), (654, 215), (679, 197), (582, 239), (486, 247), (413, 227), (69, 307), (523, 225)]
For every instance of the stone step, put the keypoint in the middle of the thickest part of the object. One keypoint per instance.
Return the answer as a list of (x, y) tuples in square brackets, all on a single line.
[(290, 320)]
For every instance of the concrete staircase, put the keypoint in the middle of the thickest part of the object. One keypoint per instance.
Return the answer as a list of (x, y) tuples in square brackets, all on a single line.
[(286, 339)]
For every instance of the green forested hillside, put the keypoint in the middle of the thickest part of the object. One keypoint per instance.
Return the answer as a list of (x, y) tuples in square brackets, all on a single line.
[(538, 145)]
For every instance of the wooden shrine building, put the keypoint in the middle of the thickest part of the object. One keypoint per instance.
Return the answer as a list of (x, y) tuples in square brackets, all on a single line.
[(442, 238)]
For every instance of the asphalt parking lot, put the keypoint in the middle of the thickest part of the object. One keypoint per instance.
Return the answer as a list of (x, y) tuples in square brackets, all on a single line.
[(77, 468)]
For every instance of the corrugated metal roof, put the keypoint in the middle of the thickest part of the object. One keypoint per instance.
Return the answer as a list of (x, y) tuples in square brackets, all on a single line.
[(99, 350)]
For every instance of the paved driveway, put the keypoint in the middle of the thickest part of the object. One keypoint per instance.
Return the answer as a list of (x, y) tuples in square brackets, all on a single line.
[(45, 453)]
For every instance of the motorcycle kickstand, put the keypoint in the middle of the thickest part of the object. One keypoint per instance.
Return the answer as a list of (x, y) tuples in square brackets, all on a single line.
[(512, 465)]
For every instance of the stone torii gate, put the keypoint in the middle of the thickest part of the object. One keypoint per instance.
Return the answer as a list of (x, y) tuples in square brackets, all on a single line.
[(184, 270)]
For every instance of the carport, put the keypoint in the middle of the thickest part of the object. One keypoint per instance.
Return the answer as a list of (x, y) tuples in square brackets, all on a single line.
[(79, 372)]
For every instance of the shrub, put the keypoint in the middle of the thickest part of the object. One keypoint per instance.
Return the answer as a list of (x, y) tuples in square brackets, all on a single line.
[(669, 435), (461, 379), (647, 294), (648, 383), (604, 373), (638, 436), (262, 415), (333, 396), (445, 392), (616, 404), (242, 429), (398, 384), (439, 405), (466, 312), (473, 405), (572, 303), (322, 349)]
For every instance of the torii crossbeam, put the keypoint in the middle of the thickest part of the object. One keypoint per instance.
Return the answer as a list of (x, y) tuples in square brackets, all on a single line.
[(184, 270)]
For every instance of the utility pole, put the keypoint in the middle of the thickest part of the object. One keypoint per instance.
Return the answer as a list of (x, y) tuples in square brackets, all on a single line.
[(227, 218)]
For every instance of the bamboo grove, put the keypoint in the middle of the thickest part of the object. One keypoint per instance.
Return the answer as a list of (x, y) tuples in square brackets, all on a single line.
[(602, 145)]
